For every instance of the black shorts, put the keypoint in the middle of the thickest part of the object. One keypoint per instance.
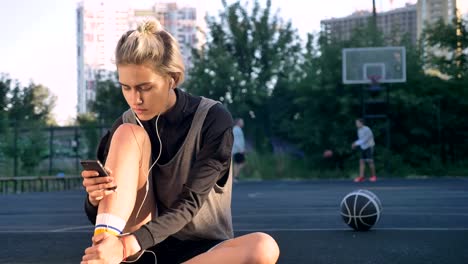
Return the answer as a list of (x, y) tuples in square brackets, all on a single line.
[(175, 251), (367, 154), (239, 158)]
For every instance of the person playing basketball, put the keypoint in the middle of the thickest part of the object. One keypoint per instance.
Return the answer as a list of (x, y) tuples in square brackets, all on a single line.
[(238, 148), (366, 143)]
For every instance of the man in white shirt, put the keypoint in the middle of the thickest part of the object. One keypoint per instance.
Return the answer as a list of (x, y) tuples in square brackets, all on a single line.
[(238, 148), (366, 143)]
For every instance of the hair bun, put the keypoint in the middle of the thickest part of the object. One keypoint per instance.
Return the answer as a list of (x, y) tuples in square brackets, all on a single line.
[(150, 27)]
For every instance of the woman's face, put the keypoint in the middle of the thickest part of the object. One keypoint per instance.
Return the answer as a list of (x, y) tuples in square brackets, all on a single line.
[(146, 92)]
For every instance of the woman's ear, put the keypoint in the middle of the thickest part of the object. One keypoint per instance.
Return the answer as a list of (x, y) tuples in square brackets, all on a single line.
[(174, 80)]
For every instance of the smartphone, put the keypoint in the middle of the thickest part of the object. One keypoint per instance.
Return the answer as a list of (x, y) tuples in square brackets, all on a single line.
[(96, 165)]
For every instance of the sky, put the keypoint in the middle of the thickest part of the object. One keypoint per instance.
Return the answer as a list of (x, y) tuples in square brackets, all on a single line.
[(38, 37)]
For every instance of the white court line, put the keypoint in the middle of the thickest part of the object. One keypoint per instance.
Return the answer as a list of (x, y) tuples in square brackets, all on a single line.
[(338, 213), (43, 214), (347, 229), (42, 231), (70, 228), (269, 230)]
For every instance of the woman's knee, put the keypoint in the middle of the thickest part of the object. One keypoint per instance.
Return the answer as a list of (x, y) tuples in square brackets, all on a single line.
[(131, 131), (265, 250)]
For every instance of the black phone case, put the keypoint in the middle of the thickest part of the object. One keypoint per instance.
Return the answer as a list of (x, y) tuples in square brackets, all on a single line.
[(94, 165)]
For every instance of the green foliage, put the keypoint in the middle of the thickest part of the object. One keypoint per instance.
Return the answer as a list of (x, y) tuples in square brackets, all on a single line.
[(33, 148), (446, 47), (109, 103), (89, 124), (31, 103), (25, 111), (266, 166), (255, 64), (247, 56), (5, 84)]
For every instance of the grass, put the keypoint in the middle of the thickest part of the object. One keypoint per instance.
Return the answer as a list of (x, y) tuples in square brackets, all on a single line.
[(266, 166), (269, 167)]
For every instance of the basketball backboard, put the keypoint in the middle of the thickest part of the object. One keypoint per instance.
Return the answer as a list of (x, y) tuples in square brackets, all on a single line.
[(374, 64)]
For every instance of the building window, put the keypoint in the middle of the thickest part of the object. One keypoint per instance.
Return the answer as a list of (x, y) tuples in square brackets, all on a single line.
[(182, 15), (192, 15), (182, 38), (89, 37)]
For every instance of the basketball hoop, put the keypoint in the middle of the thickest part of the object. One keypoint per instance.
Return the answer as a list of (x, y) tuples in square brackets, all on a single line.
[(375, 79), (374, 65), (374, 82)]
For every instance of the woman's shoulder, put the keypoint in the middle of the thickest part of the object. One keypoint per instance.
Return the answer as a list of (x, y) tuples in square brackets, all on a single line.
[(219, 111), (218, 119), (220, 114)]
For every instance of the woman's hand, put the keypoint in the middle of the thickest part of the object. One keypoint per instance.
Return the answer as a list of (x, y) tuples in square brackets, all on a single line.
[(106, 249), (97, 187)]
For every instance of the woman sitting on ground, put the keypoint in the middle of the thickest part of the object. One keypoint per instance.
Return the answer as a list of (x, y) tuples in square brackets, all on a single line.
[(170, 157)]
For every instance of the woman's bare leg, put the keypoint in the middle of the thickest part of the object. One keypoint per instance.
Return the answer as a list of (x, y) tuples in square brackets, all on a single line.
[(254, 248), (128, 158)]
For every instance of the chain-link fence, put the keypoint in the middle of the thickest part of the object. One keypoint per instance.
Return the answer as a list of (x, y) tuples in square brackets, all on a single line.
[(46, 151)]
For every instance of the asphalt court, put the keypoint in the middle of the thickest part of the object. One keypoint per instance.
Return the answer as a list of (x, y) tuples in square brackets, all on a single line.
[(423, 221)]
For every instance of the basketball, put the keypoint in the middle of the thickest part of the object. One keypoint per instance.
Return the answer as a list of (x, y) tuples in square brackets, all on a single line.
[(361, 210), (327, 153)]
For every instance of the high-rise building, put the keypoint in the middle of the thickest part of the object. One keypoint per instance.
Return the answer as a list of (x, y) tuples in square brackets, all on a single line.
[(393, 23), (430, 11), (181, 22), (100, 24)]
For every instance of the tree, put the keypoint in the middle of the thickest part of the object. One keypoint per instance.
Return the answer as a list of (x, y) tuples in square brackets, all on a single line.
[(28, 111), (255, 64), (109, 103), (446, 47), (243, 61), (31, 103), (5, 84), (445, 59), (89, 125)]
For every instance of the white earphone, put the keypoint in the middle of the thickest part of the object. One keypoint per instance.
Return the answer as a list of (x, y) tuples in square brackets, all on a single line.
[(160, 144)]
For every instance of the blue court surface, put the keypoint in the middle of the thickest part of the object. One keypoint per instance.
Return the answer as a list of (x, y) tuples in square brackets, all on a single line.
[(423, 221)]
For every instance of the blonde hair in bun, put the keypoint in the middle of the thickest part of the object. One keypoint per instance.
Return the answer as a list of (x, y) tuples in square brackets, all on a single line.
[(151, 44), (150, 27)]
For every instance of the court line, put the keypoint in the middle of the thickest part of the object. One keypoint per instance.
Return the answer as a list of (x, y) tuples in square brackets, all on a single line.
[(391, 211), (387, 211), (70, 228), (261, 229), (347, 229), (42, 214), (337, 213), (333, 207)]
